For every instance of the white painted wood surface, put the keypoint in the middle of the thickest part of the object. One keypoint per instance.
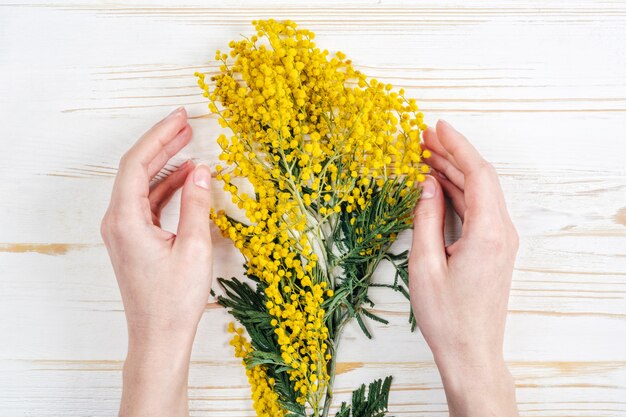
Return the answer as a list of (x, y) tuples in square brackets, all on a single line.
[(539, 87)]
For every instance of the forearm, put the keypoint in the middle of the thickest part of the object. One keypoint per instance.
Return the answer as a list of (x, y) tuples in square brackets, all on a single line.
[(155, 377), (479, 390)]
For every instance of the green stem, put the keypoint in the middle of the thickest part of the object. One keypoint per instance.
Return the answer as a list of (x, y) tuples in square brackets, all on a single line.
[(333, 366)]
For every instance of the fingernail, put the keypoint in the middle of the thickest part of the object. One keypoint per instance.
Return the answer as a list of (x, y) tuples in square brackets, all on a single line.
[(443, 122), (184, 164), (202, 176), (429, 187), (174, 113)]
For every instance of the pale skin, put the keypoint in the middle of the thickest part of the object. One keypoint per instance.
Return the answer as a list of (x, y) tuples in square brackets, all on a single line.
[(459, 293)]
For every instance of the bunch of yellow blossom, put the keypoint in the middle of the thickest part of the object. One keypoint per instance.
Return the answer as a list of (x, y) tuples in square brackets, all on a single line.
[(265, 399), (330, 156)]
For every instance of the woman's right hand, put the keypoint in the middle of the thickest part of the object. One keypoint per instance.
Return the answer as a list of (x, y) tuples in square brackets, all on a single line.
[(164, 278), (460, 293)]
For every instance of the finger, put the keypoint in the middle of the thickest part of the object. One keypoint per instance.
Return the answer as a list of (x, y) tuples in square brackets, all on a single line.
[(450, 249), (158, 137), (444, 166), (162, 192), (193, 227), (465, 155), (483, 195), (169, 150), (454, 194), (432, 142), (132, 183), (428, 240)]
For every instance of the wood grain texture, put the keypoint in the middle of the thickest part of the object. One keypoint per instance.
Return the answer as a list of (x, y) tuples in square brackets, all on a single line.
[(540, 88)]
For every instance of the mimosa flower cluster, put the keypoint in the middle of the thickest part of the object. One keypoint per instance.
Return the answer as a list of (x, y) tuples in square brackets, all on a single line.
[(334, 161)]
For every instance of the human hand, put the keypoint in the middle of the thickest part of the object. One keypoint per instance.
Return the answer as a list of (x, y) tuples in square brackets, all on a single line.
[(460, 293), (164, 278)]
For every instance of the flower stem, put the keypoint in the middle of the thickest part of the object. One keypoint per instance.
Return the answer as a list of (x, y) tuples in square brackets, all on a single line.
[(333, 366)]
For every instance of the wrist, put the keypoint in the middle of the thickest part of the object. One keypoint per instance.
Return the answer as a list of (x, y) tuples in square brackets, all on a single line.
[(153, 339), (154, 329), (155, 374), (158, 358), (478, 387)]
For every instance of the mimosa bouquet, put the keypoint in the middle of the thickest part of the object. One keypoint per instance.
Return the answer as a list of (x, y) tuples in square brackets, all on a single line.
[(333, 164)]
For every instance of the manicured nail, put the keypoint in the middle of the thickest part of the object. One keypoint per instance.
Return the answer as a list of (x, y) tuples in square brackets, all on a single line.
[(438, 174), (446, 124), (428, 188), (202, 176), (174, 113), (184, 164)]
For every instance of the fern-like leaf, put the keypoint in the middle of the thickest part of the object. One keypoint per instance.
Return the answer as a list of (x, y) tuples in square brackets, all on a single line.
[(374, 404)]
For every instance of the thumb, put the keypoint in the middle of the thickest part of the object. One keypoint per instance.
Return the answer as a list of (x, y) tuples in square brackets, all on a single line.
[(194, 226), (428, 241)]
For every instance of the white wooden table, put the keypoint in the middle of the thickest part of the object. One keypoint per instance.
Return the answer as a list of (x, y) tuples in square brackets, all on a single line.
[(538, 86)]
